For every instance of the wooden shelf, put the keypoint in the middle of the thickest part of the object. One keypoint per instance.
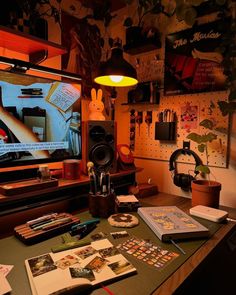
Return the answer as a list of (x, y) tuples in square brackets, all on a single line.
[(140, 49), (136, 103), (27, 44)]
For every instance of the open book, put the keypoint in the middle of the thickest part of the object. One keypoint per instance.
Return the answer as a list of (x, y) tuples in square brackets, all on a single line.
[(76, 269), (170, 223)]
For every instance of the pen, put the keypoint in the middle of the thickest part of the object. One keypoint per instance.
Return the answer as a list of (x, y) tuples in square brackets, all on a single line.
[(76, 226), (41, 222), (43, 226), (56, 223), (41, 218), (31, 89), (32, 93), (47, 220), (83, 231), (178, 247)]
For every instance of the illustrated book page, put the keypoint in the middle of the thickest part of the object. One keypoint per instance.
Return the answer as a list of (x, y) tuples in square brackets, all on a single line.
[(63, 95), (76, 269), (170, 222)]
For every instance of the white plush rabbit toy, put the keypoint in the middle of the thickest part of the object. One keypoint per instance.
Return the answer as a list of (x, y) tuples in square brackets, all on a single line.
[(96, 106)]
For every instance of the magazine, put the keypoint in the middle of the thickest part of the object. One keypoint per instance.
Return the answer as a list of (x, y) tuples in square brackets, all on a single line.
[(76, 269), (170, 223)]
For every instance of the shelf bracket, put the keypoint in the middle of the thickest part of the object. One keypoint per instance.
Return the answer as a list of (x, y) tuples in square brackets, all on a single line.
[(38, 56)]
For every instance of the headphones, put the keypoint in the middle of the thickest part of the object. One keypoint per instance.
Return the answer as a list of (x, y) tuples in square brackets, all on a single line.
[(181, 179)]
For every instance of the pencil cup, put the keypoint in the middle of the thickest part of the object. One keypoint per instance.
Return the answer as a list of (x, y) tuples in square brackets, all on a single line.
[(101, 205)]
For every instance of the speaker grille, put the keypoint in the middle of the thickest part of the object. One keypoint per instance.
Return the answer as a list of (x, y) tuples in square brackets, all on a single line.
[(102, 155), (99, 145)]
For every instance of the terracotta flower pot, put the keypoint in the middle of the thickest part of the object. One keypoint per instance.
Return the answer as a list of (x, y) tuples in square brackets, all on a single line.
[(206, 193)]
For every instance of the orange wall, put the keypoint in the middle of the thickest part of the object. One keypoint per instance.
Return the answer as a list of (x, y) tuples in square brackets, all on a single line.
[(154, 169), (157, 170)]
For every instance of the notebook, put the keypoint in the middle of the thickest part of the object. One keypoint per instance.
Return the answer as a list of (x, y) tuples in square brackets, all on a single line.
[(171, 223), (76, 269)]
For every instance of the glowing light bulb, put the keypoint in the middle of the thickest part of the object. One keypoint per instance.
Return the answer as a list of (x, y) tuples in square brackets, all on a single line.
[(116, 78)]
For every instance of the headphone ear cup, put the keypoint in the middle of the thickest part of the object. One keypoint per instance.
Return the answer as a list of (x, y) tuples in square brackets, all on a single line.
[(183, 180), (177, 179), (186, 181)]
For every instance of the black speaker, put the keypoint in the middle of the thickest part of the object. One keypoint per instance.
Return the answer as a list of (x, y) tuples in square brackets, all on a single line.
[(99, 145), (181, 179)]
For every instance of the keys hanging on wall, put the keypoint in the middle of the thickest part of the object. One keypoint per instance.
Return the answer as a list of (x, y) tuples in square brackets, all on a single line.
[(148, 120), (139, 120)]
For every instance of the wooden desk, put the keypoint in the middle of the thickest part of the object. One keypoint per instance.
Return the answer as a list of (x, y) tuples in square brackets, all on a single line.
[(14, 252), (185, 281)]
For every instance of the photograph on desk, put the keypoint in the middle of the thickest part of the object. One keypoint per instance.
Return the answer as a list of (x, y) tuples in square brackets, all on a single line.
[(39, 119), (76, 269)]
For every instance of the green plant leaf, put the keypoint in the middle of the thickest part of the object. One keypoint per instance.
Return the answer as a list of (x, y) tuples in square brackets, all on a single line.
[(201, 138), (232, 95), (195, 137), (180, 11), (128, 22), (203, 169), (201, 148), (222, 129), (207, 124), (195, 2), (190, 16), (128, 2), (227, 107), (209, 137), (220, 2)]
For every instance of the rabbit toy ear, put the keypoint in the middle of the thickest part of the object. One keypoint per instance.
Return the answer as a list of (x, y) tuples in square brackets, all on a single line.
[(93, 94), (99, 96)]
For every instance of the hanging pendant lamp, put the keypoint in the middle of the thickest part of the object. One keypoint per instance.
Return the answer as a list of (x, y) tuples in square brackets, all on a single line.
[(116, 71)]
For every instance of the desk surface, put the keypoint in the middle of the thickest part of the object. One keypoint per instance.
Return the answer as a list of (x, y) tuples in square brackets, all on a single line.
[(14, 252)]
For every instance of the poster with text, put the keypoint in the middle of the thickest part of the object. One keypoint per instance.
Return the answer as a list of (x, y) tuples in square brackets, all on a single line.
[(193, 60)]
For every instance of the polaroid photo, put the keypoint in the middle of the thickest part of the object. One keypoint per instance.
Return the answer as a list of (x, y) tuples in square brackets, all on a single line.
[(120, 266), (119, 234), (86, 273), (96, 264), (98, 236), (66, 261), (107, 252), (41, 264), (85, 252)]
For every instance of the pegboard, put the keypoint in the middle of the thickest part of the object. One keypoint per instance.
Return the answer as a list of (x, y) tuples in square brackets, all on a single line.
[(149, 67), (204, 106)]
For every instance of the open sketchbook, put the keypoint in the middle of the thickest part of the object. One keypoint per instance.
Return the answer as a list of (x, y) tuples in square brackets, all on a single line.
[(170, 223), (78, 269)]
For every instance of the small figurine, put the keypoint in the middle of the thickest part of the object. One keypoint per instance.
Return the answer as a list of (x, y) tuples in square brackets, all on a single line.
[(96, 106)]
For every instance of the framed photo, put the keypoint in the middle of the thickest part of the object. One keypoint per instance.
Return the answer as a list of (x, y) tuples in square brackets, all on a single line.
[(193, 62)]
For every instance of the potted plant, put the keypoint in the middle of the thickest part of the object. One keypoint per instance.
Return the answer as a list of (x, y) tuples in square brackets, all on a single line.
[(137, 35), (205, 191)]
